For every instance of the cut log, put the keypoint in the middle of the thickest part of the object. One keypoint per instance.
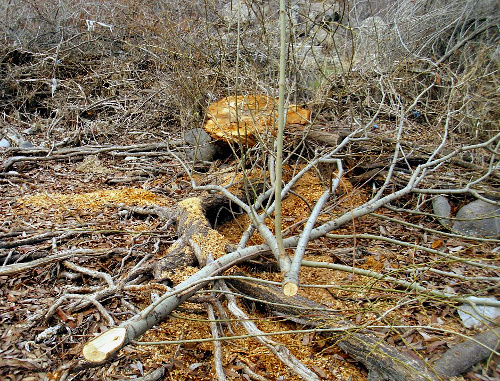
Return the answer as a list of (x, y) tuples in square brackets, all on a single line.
[(290, 289), (383, 361), (461, 357), (241, 119), (99, 349)]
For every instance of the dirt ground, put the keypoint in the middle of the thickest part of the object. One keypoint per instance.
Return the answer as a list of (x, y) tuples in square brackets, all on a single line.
[(76, 208)]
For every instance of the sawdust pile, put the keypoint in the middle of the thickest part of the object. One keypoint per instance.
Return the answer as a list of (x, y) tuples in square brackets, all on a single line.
[(297, 206), (94, 200)]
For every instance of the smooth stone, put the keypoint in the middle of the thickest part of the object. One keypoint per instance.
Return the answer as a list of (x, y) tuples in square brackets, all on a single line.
[(4, 143), (26, 144), (480, 219), (201, 149), (442, 210), (205, 152), (196, 137)]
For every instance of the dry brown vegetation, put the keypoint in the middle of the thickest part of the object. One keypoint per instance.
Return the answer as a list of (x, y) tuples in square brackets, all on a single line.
[(103, 211)]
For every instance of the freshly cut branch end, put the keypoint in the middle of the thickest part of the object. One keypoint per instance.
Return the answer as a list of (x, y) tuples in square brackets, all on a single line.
[(290, 289), (103, 346)]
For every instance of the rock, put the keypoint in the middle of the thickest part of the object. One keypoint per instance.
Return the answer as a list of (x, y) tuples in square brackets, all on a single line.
[(26, 144), (442, 210), (201, 147), (479, 219), (197, 136), (4, 143), (201, 153), (14, 137)]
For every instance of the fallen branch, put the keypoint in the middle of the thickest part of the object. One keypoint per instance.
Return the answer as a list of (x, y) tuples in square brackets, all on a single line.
[(460, 357), (383, 361), (109, 343), (46, 154), (20, 267)]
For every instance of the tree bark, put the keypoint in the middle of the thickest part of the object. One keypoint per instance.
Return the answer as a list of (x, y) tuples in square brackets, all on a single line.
[(459, 358)]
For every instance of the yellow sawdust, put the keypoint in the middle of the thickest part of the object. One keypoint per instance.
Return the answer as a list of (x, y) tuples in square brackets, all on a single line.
[(212, 243), (193, 206), (296, 206), (209, 241), (179, 275), (93, 200), (184, 326), (195, 326)]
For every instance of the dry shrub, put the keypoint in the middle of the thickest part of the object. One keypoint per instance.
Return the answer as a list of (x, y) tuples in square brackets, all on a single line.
[(477, 94), (402, 48), (137, 66)]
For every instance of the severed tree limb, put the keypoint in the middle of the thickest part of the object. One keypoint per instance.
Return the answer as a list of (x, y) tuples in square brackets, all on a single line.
[(460, 357), (109, 343), (382, 360), (279, 350), (291, 279)]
